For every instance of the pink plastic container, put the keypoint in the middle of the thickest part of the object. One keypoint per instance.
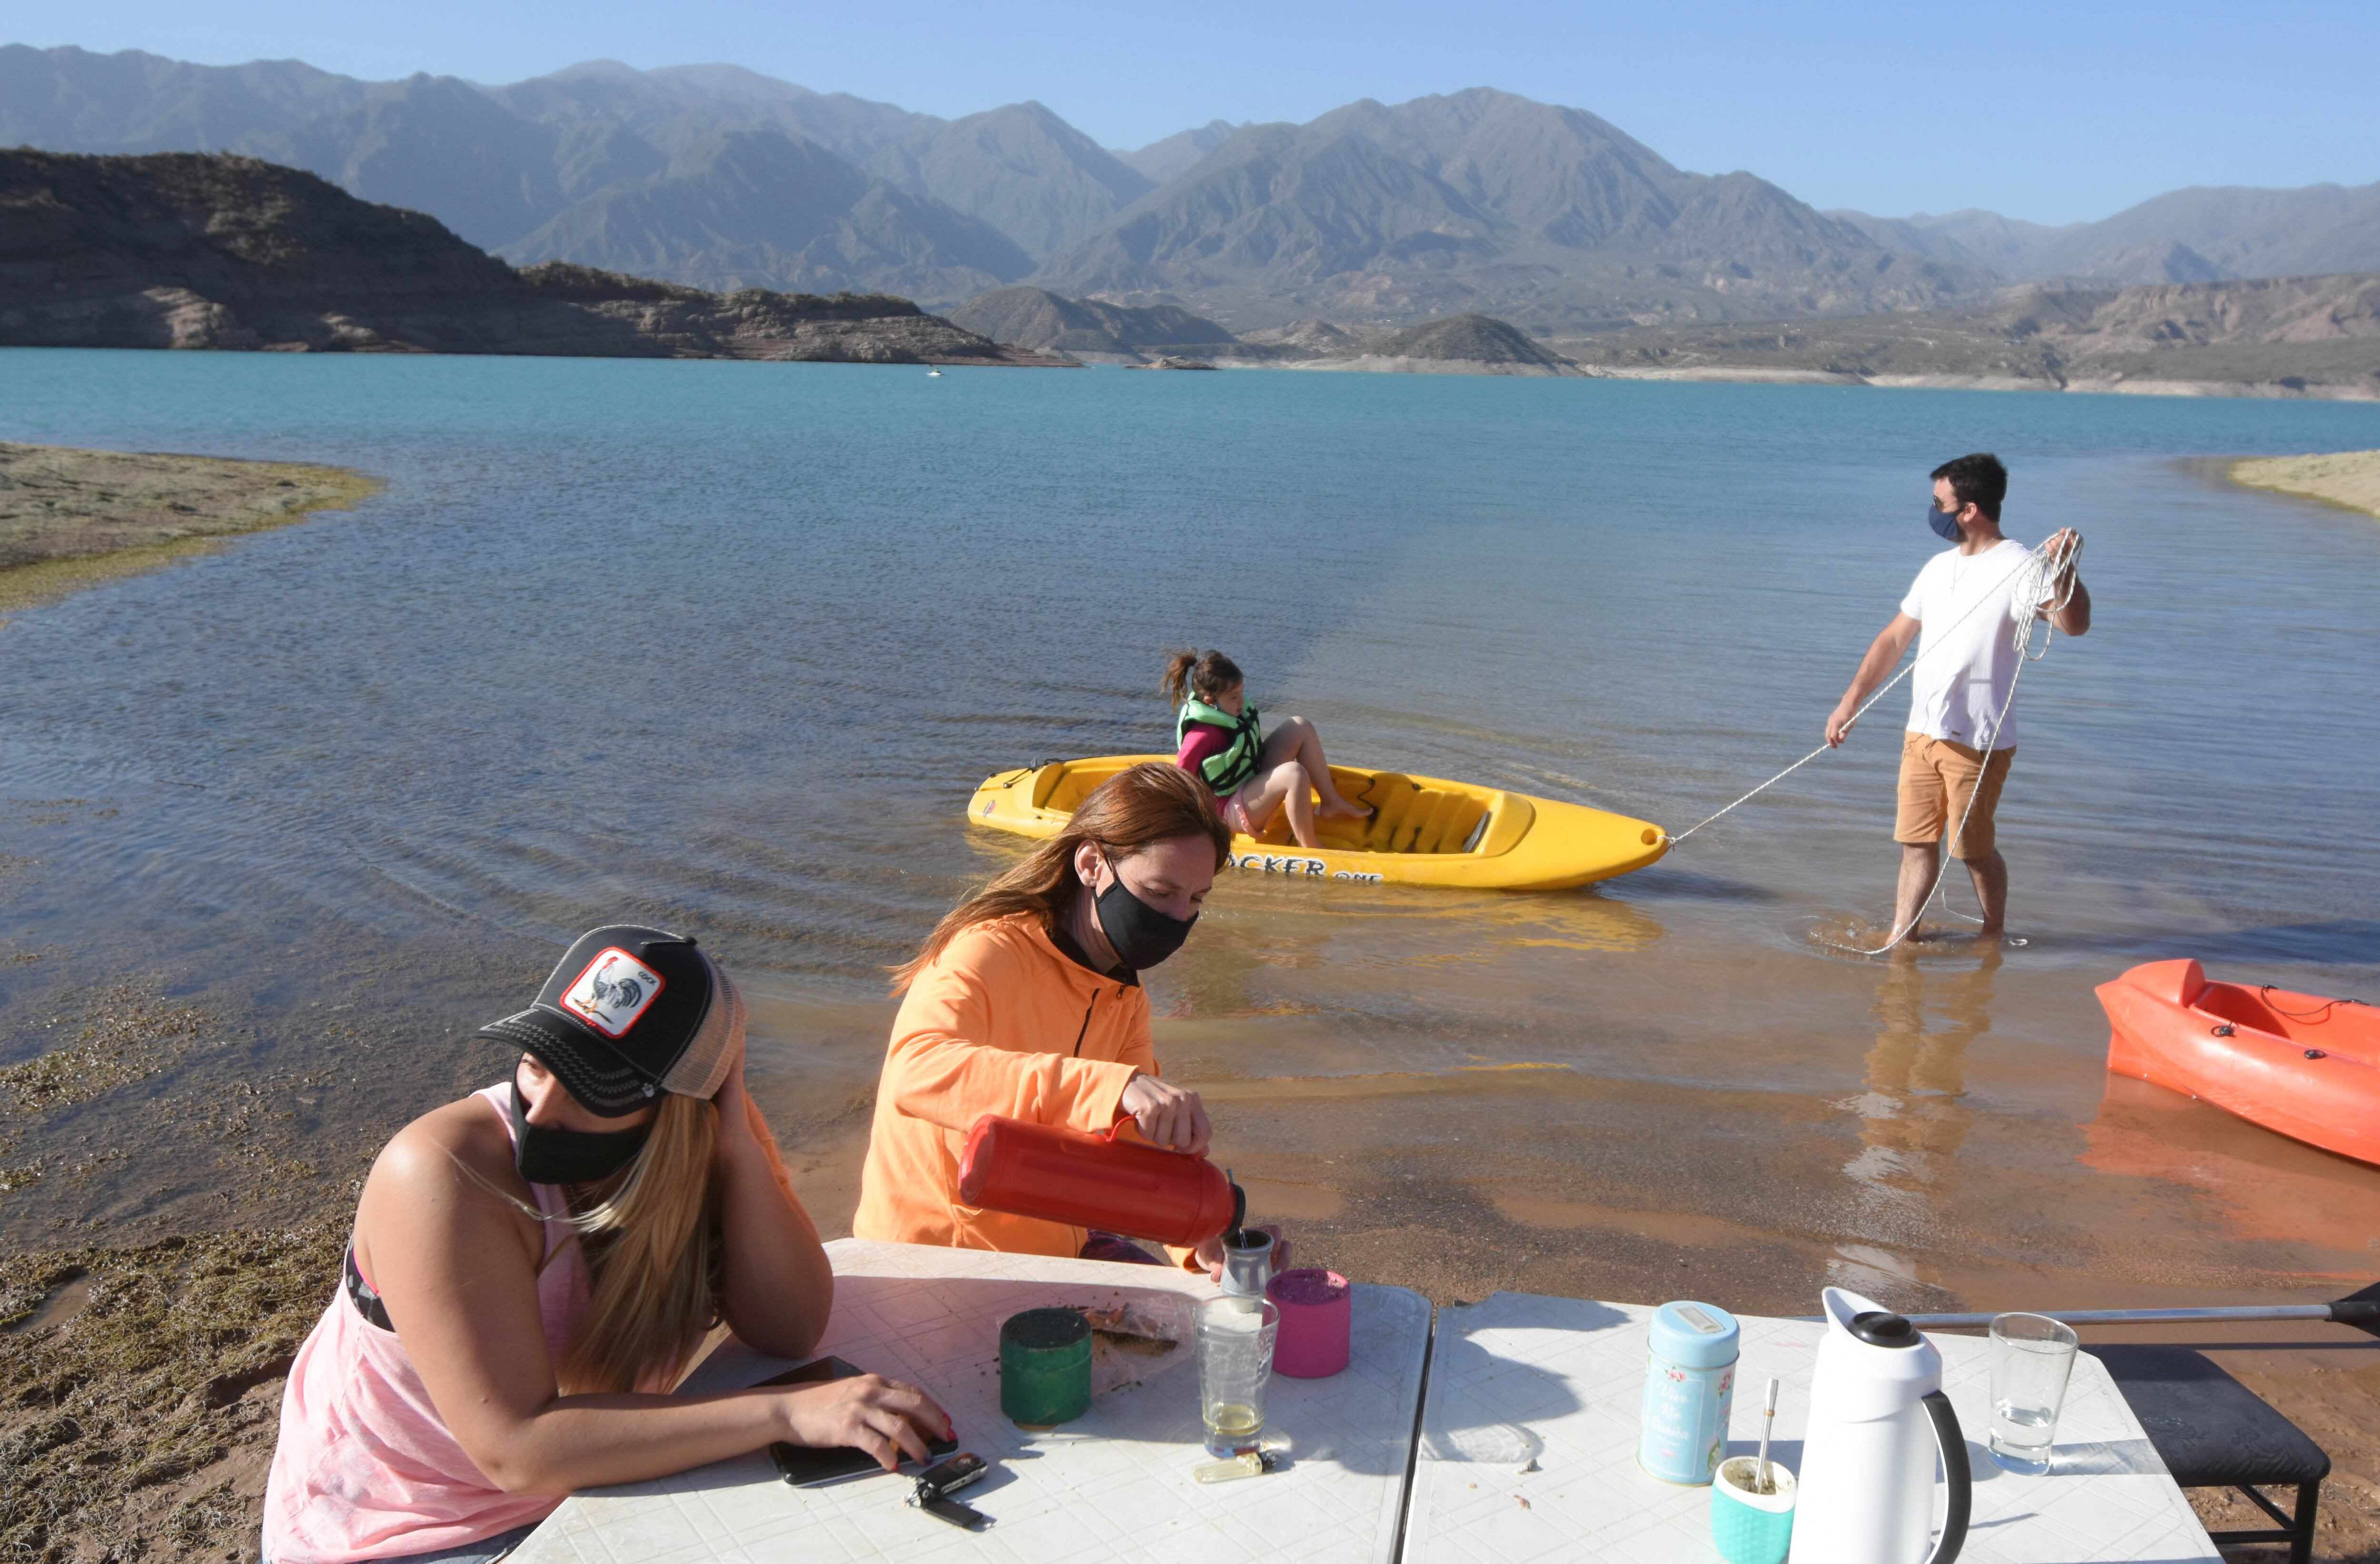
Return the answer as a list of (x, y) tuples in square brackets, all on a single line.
[(1317, 1322)]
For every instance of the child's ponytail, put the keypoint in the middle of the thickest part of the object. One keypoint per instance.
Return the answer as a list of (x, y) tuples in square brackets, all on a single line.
[(1176, 688), (1188, 674)]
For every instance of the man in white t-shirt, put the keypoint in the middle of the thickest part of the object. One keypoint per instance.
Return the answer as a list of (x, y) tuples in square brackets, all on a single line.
[(1961, 612)]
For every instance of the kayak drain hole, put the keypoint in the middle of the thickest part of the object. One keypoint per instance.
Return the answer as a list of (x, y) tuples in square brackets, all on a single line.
[(2316, 1054), (2224, 1031)]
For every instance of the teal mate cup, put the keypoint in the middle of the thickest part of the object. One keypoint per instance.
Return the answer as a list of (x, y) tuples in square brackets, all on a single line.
[(1045, 1367), (1748, 1527)]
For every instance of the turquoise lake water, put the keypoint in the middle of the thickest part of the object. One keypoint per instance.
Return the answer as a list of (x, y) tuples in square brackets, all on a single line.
[(726, 646)]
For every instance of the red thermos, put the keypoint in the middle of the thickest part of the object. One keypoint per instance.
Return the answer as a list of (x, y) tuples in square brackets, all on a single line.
[(1098, 1181)]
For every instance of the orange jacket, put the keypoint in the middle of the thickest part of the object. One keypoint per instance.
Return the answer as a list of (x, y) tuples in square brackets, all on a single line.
[(1002, 1021)]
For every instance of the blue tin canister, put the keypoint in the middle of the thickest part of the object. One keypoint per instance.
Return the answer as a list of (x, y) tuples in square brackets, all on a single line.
[(1689, 1388)]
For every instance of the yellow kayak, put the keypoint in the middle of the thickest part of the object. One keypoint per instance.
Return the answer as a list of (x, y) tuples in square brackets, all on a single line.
[(1428, 831)]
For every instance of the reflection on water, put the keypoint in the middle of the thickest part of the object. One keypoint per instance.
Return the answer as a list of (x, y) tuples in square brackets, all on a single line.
[(1912, 1116), (2262, 1188), (725, 647)]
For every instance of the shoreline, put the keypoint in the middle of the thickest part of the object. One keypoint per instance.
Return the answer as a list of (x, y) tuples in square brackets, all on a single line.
[(1749, 374), (72, 518), (2349, 480)]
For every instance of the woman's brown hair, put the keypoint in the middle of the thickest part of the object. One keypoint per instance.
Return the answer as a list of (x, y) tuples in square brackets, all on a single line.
[(1135, 808), (1188, 674)]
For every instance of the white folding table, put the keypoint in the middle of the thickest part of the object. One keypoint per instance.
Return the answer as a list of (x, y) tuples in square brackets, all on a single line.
[(1115, 1483), (1528, 1448)]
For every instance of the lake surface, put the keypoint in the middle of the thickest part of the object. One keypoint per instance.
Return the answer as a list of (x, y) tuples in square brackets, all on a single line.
[(726, 646)]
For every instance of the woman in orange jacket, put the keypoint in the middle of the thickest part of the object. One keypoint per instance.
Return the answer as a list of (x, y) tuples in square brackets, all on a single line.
[(1027, 1002)]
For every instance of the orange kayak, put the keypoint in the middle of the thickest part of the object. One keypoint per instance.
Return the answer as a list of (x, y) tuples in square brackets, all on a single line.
[(2304, 1065)]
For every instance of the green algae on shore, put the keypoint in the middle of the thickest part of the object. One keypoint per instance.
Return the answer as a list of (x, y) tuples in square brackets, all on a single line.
[(2349, 480), (140, 1390), (72, 518)]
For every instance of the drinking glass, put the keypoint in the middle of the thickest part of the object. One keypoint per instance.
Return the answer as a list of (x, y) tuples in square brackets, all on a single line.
[(1235, 1341), (2032, 1355)]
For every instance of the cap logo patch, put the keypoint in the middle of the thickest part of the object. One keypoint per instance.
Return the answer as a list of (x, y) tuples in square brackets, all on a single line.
[(613, 991)]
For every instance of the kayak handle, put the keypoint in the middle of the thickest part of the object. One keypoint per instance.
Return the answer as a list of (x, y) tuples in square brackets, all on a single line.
[(2225, 1030)]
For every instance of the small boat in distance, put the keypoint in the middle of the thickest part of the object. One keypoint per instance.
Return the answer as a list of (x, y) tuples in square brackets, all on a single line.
[(2297, 1064), (933, 375), (1428, 831)]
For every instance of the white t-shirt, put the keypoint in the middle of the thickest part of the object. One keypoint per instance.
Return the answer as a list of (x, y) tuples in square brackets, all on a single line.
[(1966, 652)]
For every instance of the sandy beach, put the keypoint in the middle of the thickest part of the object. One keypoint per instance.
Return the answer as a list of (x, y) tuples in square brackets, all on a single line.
[(2349, 478)]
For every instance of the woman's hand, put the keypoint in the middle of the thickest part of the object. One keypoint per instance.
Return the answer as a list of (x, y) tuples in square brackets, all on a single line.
[(729, 1100), (1167, 1115), (889, 1420)]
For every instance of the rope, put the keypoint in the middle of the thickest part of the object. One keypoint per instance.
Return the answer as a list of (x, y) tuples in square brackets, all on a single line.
[(2032, 575), (2320, 1013)]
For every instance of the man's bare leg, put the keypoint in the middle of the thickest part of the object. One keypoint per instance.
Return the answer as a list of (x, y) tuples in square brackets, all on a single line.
[(1990, 874), (1920, 861)]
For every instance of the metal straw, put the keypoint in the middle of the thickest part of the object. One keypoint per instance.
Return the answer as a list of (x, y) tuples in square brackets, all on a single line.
[(1768, 1426)]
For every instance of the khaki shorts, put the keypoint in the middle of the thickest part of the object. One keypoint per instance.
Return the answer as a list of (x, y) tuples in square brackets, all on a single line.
[(1937, 777)]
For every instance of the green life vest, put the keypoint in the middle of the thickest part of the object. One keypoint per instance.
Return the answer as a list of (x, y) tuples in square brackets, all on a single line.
[(1237, 762)]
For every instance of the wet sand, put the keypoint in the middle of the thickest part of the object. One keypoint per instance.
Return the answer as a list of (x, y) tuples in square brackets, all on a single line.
[(72, 518)]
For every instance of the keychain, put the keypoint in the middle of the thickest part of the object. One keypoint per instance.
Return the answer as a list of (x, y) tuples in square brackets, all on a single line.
[(936, 1485)]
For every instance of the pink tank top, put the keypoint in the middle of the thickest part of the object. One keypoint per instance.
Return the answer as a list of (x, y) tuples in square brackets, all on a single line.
[(365, 1468)]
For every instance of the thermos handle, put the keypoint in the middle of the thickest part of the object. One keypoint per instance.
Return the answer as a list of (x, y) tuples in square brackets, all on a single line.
[(1955, 1472)]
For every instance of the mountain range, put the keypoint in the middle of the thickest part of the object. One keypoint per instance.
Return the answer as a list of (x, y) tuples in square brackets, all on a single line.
[(720, 177)]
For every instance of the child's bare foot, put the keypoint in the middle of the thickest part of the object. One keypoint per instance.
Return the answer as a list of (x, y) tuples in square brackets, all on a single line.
[(1340, 808)]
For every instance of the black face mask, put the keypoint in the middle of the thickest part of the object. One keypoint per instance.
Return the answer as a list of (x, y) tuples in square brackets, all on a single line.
[(570, 1156), (1944, 522), (1142, 935)]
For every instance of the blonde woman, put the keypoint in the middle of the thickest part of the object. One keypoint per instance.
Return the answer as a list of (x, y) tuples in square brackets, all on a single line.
[(532, 1267)]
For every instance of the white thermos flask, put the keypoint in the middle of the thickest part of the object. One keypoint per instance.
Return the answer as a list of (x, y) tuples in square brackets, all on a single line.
[(1877, 1419)]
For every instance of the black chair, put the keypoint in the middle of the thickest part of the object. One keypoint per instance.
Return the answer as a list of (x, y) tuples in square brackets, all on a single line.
[(2213, 1432)]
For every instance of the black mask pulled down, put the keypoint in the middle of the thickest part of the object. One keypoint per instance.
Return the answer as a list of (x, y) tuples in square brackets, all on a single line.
[(546, 1156), (1142, 935)]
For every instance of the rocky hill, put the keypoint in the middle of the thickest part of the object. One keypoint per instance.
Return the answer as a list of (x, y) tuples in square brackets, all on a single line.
[(2273, 336), (193, 251), (1036, 318)]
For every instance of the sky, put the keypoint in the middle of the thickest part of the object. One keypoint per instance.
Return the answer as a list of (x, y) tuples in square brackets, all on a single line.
[(2055, 112)]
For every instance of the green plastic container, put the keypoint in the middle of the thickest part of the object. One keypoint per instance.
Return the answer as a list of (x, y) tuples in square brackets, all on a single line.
[(1045, 1367)]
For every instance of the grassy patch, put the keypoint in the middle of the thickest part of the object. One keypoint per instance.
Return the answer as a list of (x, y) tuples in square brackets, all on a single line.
[(73, 518)]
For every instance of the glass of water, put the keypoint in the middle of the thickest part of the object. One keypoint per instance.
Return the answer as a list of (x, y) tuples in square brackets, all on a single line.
[(2032, 1355), (1235, 1341)]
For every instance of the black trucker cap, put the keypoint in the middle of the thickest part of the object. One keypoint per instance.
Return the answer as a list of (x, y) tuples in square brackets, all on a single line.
[(631, 1012)]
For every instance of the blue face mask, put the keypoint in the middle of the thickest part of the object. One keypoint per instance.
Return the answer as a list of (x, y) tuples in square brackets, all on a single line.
[(1944, 523)]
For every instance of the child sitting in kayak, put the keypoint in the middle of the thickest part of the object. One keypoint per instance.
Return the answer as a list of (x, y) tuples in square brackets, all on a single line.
[(1253, 777)]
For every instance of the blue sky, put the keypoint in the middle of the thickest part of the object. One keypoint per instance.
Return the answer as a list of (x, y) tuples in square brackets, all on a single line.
[(2050, 112)]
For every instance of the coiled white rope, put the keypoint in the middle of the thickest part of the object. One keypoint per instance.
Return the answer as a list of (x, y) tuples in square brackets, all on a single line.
[(2053, 562)]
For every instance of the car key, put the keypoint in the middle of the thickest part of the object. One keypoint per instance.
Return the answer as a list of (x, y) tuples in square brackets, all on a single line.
[(932, 1491)]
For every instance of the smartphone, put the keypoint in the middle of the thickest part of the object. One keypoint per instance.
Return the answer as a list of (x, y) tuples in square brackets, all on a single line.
[(807, 1466)]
